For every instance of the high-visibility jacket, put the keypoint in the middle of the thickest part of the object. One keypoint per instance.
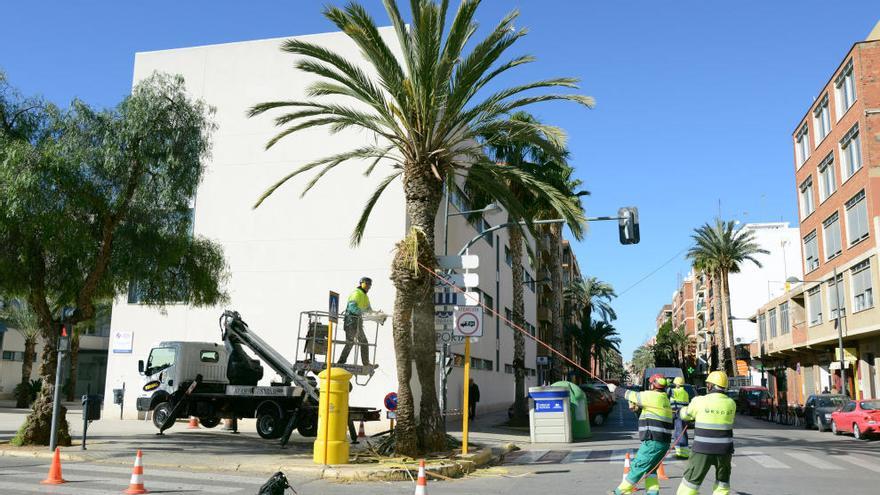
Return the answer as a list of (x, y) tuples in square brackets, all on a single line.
[(358, 302), (680, 398), (713, 416), (655, 422)]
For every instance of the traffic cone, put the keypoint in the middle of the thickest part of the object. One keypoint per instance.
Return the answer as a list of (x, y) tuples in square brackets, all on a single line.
[(362, 435), (54, 477), (193, 423), (625, 466), (661, 472), (136, 485), (422, 482)]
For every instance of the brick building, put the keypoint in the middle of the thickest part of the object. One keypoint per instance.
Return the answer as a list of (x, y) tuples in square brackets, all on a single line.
[(837, 158)]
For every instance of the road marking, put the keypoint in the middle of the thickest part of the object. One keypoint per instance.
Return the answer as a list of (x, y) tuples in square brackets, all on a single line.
[(577, 456), (618, 456), (766, 461), (813, 461), (530, 456), (120, 481), (164, 473), (552, 457), (37, 488), (861, 462)]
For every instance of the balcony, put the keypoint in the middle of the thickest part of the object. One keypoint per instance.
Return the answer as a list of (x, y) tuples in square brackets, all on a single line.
[(544, 314)]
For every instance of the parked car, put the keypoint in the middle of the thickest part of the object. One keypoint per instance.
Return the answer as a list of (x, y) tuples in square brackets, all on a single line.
[(604, 389), (753, 400), (599, 404), (859, 417), (818, 409)]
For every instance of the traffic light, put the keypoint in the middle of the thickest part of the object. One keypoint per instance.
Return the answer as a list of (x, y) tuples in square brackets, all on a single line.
[(628, 224)]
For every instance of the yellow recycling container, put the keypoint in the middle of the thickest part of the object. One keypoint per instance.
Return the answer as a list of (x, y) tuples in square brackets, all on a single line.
[(337, 448)]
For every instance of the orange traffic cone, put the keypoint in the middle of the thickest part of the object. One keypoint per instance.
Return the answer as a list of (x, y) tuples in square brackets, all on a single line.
[(193, 423), (626, 466), (362, 435), (661, 472), (54, 477), (422, 482), (136, 485)]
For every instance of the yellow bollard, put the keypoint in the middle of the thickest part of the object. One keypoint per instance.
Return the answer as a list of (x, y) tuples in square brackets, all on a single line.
[(337, 448)]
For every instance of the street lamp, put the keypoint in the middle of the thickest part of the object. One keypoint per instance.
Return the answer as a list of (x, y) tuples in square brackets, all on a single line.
[(837, 323)]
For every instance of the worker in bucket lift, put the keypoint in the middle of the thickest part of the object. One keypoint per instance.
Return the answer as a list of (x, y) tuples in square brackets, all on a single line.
[(358, 304), (655, 432)]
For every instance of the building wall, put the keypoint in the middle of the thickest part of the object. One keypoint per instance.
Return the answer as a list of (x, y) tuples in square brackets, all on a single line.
[(11, 341), (286, 255)]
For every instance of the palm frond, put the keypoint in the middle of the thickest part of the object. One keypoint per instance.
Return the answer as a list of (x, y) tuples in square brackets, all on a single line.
[(358, 234)]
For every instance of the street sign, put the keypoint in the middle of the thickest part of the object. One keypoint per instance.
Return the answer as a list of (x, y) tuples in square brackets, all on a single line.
[(465, 280), (467, 262), (543, 360), (121, 342), (456, 298), (333, 306), (468, 321), (391, 401)]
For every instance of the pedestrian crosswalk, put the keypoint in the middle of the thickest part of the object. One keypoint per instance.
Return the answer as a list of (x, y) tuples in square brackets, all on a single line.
[(99, 479), (746, 458)]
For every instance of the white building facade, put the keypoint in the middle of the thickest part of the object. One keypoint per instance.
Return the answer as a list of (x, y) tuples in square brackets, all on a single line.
[(286, 255)]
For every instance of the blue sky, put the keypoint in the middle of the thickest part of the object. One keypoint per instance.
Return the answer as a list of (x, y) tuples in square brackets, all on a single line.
[(696, 100)]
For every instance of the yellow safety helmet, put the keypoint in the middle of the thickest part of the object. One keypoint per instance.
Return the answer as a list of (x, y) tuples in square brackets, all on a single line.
[(679, 380), (718, 378)]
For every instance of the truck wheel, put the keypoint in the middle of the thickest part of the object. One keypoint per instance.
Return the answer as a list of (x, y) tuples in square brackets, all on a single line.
[(160, 414), (209, 422), (308, 425), (269, 425)]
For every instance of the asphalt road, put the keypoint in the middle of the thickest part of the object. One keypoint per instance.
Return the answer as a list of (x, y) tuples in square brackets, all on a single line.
[(769, 459)]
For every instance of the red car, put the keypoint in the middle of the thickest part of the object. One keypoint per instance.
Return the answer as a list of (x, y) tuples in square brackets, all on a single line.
[(860, 417)]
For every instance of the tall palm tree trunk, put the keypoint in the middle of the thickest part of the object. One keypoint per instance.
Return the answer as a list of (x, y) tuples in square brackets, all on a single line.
[(555, 234), (422, 203), (74, 361), (720, 330), (27, 367), (520, 404), (731, 344)]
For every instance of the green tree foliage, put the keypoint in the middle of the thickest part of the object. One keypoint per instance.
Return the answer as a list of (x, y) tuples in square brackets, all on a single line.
[(643, 358), (425, 111), (671, 345), (92, 200)]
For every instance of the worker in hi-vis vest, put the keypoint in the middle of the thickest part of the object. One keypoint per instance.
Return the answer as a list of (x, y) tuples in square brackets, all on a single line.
[(358, 304), (655, 432), (713, 416), (679, 398)]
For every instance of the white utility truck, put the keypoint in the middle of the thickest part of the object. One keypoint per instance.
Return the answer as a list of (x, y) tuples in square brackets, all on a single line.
[(212, 382)]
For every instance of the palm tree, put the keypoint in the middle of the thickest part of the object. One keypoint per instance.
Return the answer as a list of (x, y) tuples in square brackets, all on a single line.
[(722, 249), (605, 338), (19, 316), (586, 295), (643, 358), (421, 109)]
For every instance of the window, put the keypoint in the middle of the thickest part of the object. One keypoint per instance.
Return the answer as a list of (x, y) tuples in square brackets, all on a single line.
[(807, 205), (529, 281), (13, 356), (784, 325), (802, 145), (209, 356), (862, 286), (851, 152), (856, 218), (827, 179), (831, 234), (821, 120), (160, 358), (489, 302), (845, 89), (507, 257), (833, 297), (814, 302), (771, 316), (508, 314), (461, 202), (811, 252), (762, 326)]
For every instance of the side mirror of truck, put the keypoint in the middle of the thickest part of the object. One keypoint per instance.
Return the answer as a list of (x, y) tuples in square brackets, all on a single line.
[(141, 366)]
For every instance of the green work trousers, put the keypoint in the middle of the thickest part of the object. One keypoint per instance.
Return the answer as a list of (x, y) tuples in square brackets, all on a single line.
[(697, 469), (647, 460)]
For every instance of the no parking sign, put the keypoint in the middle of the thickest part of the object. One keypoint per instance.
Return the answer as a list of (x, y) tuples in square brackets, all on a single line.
[(468, 321)]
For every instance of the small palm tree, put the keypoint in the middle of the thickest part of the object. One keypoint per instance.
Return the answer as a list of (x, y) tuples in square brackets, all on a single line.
[(422, 109), (605, 339), (19, 316), (591, 294), (722, 249)]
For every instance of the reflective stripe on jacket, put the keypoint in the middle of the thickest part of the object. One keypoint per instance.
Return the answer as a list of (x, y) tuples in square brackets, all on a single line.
[(680, 398), (655, 422), (713, 416)]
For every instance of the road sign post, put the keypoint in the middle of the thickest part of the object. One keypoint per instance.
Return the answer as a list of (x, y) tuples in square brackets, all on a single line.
[(468, 324), (333, 310)]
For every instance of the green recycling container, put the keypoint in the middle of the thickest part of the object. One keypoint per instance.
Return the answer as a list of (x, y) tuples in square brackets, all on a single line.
[(580, 415)]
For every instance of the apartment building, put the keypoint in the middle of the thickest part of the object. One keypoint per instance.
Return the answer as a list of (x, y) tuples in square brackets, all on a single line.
[(836, 153)]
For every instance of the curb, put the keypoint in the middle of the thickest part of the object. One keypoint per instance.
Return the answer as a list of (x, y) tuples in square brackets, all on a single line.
[(456, 468)]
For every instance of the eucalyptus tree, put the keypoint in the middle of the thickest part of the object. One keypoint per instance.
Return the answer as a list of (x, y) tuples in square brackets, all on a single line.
[(95, 201), (722, 249), (425, 101)]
